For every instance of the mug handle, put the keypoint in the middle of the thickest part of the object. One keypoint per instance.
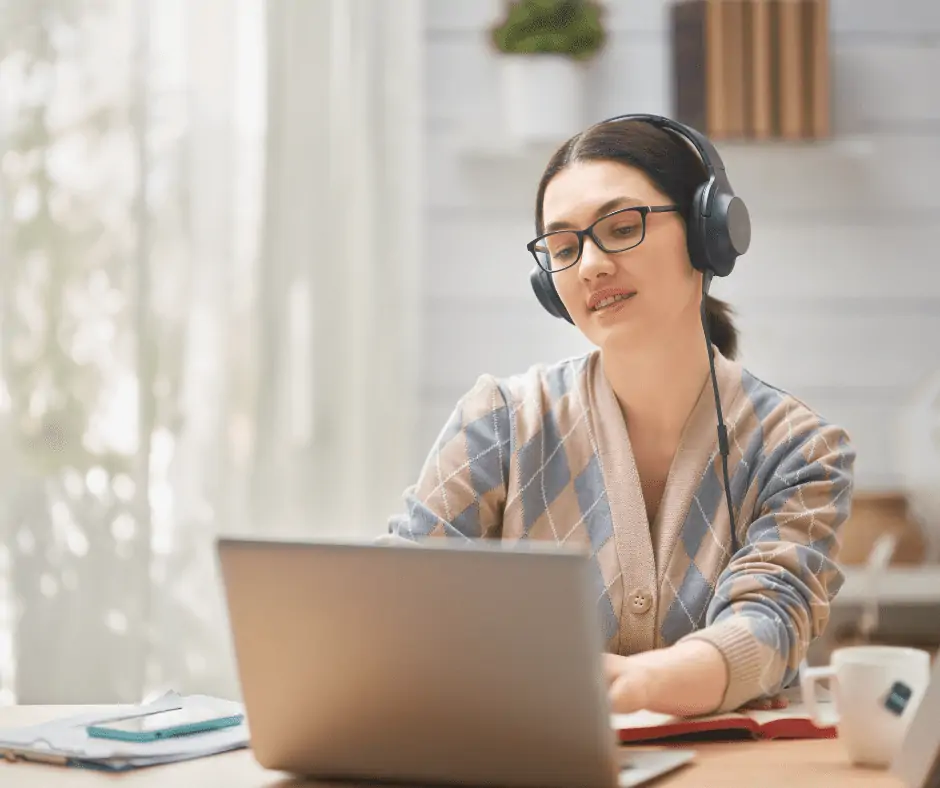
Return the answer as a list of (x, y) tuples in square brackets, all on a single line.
[(808, 679)]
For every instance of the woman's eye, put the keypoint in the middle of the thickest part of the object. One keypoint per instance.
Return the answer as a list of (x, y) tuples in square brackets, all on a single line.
[(624, 230)]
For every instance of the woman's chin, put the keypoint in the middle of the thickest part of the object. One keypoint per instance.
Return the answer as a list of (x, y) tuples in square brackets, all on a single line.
[(617, 337)]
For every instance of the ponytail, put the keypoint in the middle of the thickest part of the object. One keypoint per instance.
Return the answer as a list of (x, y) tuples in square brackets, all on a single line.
[(724, 335)]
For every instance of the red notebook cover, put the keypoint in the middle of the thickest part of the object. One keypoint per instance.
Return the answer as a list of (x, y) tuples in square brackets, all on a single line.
[(793, 722)]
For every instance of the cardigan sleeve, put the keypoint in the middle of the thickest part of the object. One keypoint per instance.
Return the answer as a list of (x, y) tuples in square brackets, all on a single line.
[(461, 488), (773, 598)]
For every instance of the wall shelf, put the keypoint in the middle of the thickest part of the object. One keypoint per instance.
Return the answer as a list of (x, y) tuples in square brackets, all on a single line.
[(493, 145), (897, 585), (496, 145)]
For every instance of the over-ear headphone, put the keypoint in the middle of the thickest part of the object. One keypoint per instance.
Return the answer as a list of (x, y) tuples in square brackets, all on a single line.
[(718, 226)]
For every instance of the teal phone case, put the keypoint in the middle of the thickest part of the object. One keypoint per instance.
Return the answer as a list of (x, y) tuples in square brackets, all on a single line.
[(102, 731)]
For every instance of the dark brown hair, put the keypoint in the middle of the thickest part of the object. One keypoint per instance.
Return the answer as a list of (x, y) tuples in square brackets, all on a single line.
[(670, 163)]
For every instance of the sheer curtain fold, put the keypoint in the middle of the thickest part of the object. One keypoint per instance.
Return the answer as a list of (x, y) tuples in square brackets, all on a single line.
[(251, 315), (349, 207), (370, 298)]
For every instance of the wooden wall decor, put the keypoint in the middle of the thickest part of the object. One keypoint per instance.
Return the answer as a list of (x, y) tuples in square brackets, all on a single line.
[(752, 69)]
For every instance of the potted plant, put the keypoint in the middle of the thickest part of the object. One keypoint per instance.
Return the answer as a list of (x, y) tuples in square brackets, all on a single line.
[(544, 46)]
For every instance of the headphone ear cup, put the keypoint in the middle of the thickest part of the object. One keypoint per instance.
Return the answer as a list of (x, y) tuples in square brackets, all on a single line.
[(544, 287), (695, 231), (716, 241), (727, 232)]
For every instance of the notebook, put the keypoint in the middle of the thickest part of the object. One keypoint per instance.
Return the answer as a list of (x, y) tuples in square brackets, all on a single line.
[(792, 722), (64, 741)]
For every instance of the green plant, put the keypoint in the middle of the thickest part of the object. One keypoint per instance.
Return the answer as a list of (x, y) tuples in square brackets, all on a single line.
[(562, 27)]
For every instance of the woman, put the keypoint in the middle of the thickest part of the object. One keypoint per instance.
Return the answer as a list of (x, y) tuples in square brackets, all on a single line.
[(617, 450)]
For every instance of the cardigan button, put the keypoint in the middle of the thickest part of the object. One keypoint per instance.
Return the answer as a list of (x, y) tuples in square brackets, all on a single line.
[(640, 601)]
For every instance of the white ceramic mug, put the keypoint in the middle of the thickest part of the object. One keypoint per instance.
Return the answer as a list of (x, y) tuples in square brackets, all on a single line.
[(875, 692)]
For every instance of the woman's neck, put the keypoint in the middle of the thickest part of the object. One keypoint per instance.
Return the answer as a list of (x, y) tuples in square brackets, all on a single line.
[(658, 385)]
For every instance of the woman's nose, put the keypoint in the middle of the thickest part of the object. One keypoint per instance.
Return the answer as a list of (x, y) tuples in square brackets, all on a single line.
[(594, 260)]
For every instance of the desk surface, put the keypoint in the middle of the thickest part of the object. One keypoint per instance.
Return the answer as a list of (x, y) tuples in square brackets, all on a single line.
[(767, 764)]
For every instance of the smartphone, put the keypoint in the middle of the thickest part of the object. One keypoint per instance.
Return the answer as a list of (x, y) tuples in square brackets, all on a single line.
[(177, 721)]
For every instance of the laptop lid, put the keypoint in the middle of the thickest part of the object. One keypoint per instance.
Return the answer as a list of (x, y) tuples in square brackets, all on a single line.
[(463, 663)]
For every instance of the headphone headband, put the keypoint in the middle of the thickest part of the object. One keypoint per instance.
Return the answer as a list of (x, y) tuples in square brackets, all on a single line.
[(706, 150)]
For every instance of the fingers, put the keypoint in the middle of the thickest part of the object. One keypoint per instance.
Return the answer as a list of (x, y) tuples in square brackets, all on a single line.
[(620, 697), (766, 704), (613, 667)]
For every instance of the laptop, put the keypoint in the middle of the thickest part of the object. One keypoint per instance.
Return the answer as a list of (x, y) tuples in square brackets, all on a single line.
[(465, 663)]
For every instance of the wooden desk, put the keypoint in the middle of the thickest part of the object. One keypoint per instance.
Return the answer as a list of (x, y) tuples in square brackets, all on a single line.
[(807, 764)]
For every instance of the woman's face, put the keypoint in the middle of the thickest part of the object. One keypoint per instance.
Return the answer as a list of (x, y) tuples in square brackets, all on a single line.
[(663, 289)]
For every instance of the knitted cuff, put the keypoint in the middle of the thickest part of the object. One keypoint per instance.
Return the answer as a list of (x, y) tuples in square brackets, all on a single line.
[(745, 658)]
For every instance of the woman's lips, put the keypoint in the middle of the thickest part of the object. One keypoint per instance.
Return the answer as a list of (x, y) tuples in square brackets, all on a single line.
[(606, 300)]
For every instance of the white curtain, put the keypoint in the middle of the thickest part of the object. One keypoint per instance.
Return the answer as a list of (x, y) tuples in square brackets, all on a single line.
[(210, 242)]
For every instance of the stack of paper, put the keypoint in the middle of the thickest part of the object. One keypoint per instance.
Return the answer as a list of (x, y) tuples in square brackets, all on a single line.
[(66, 742)]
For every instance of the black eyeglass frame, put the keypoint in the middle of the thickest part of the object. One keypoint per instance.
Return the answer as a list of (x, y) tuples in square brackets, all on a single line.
[(643, 210)]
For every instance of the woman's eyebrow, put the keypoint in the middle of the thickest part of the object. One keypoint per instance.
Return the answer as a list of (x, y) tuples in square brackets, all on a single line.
[(607, 207)]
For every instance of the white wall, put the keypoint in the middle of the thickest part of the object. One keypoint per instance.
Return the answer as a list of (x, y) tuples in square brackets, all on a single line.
[(838, 299)]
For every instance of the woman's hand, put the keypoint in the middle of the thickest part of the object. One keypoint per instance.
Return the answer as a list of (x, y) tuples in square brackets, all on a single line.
[(628, 683), (686, 679), (613, 667)]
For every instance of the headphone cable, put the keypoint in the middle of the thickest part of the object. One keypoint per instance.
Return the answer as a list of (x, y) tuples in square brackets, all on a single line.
[(722, 431)]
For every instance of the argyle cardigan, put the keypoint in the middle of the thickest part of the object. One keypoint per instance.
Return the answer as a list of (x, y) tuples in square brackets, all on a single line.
[(546, 455)]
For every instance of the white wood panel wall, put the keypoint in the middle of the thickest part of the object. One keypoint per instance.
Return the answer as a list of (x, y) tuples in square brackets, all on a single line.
[(838, 299)]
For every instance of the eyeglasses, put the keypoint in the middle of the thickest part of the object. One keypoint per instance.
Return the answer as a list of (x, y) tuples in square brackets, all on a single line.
[(615, 232)]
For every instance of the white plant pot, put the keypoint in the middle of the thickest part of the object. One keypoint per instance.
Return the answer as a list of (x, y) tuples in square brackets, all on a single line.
[(542, 96)]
